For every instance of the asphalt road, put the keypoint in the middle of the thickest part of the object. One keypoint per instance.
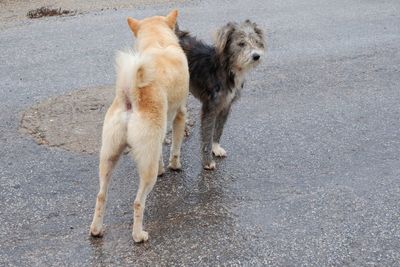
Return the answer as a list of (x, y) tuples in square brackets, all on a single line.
[(312, 175)]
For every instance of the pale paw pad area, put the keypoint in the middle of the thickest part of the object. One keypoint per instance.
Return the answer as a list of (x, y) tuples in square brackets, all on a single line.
[(175, 163), (218, 150), (140, 237), (210, 166), (161, 171), (96, 231)]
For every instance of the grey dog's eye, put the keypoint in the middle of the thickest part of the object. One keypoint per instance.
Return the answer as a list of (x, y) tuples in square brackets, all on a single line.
[(242, 44)]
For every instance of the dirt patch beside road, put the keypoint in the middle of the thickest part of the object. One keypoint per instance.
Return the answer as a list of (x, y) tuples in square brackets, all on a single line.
[(74, 121), (13, 12)]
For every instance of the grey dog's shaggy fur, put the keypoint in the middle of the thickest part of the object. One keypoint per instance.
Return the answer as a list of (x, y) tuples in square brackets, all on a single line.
[(217, 76)]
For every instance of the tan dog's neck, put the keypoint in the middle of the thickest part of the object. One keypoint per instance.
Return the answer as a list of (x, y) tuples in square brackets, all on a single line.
[(147, 35)]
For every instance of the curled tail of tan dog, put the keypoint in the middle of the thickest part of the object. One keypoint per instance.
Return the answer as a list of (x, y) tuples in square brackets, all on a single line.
[(134, 71)]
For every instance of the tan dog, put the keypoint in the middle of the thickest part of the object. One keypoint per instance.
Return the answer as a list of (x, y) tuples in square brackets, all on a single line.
[(151, 89)]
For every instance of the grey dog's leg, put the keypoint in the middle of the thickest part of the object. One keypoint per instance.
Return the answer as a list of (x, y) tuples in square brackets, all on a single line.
[(220, 123), (208, 117), (217, 150)]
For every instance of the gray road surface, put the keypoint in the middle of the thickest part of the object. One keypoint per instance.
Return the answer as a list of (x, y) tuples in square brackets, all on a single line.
[(313, 169)]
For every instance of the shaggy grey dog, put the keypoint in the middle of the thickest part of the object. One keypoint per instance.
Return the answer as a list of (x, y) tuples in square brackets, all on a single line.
[(217, 77)]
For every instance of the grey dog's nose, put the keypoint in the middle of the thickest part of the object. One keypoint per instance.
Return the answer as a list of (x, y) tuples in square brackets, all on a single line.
[(256, 56)]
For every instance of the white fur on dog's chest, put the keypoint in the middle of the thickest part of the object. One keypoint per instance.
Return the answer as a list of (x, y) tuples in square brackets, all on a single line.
[(230, 97), (232, 93)]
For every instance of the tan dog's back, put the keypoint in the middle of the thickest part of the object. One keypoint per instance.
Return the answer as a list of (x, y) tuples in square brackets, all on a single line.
[(170, 61), (152, 88)]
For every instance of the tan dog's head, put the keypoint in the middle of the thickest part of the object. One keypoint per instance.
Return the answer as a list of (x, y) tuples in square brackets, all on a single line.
[(168, 21)]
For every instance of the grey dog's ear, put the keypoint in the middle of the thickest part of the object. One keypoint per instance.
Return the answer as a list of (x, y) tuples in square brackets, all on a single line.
[(257, 29), (223, 37)]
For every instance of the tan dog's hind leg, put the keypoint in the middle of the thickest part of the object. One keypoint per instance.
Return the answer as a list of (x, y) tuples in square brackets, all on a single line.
[(178, 131), (113, 143), (148, 166)]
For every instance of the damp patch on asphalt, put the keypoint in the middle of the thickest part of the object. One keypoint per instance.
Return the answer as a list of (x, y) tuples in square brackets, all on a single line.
[(74, 121)]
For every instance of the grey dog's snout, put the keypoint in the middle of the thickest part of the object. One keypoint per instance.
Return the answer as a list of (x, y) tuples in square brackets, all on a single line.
[(256, 56)]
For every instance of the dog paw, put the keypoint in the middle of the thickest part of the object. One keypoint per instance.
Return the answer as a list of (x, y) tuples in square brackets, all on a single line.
[(161, 171), (218, 150), (96, 231), (175, 163), (142, 236), (210, 166)]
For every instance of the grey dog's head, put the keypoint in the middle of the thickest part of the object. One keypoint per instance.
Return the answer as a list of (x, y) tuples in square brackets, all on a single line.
[(242, 44)]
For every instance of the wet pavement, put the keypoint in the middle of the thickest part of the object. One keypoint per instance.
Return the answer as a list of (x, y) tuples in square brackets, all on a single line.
[(312, 175)]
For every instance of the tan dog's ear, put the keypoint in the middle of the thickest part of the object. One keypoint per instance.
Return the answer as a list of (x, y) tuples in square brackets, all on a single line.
[(133, 24), (171, 18)]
